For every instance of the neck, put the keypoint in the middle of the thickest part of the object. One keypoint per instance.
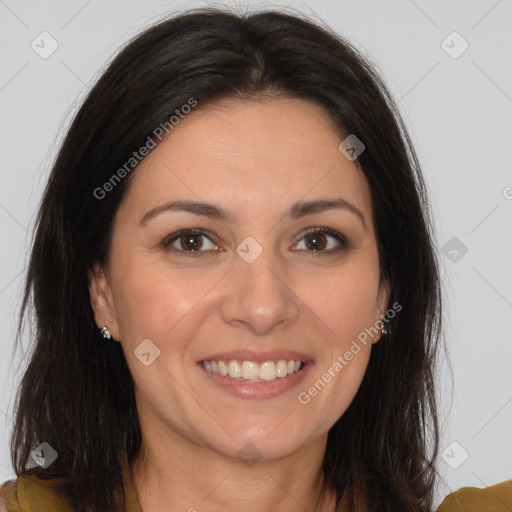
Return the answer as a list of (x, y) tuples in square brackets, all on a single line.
[(175, 474)]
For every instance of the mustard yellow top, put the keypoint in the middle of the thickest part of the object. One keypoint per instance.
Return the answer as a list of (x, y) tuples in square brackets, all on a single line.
[(496, 498), (30, 494)]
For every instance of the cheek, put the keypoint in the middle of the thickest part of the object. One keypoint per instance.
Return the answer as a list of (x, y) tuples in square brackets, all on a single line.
[(152, 309), (148, 300), (344, 300), (163, 305)]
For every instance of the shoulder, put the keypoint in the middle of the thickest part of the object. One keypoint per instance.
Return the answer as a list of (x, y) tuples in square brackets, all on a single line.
[(28, 493), (8, 497), (495, 498)]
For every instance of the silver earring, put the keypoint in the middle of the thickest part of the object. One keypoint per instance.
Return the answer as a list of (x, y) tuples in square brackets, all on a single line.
[(386, 331), (105, 333)]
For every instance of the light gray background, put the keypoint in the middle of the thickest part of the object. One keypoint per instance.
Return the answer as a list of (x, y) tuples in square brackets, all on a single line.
[(458, 111)]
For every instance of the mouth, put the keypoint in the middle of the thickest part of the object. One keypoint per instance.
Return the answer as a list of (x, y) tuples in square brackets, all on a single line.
[(251, 371), (249, 379)]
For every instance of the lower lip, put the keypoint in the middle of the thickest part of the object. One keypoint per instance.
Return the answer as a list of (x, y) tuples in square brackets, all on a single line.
[(248, 389)]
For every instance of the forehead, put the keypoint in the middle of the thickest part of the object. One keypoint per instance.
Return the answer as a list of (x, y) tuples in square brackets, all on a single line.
[(251, 153)]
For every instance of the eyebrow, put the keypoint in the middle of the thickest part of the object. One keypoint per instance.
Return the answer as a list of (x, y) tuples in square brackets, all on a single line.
[(297, 211)]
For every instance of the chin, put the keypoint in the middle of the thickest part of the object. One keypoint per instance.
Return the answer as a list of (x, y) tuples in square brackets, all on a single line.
[(250, 447)]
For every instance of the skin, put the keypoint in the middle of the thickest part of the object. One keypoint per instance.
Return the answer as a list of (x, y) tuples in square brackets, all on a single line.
[(255, 159)]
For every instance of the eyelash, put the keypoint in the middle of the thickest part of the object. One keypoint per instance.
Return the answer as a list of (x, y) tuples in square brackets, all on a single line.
[(312, 231)]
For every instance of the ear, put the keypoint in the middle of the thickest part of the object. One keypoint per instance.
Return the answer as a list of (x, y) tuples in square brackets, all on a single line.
[(381, 305), (102, 301)]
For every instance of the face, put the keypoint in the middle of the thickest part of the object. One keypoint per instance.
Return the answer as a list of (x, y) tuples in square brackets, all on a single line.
[(258, 283)]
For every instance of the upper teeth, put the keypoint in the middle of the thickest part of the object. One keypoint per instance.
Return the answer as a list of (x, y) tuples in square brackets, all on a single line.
[(250, 370)]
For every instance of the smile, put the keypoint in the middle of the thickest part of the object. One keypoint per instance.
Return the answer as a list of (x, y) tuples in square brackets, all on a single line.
[(253, 371), (248, 379)]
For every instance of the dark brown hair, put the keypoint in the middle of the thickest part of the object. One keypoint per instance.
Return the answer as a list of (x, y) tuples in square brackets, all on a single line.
[(77, 392)]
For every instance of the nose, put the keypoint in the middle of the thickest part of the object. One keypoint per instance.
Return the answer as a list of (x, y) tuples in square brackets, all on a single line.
[(260, 297)]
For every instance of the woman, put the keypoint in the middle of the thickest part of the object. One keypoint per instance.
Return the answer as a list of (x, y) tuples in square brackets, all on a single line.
[(234, 221)]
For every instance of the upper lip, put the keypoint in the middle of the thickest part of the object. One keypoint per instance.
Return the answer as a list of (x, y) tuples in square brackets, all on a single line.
[(258, 356)]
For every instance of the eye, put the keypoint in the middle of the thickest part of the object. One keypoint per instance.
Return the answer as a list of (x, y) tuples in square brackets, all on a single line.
[(315, 239), (189, 243)]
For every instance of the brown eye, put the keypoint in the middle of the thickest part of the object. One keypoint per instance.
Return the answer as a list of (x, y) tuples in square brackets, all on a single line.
[(316, 242), (187, 242), (323, 240), (191, 242)]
